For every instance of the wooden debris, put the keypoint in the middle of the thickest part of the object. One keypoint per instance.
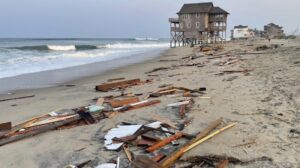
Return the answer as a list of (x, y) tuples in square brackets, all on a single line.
[(223, 163), (17, 98), (5, 126), (235, 71), (127, 152), (36, 130), (144, 162), (168, 134), (115, 79), (157, 69), (163, 92), (182, 110), (123, 84), (100, 101), (164, 120), (209, 136), (119, 103), (164, 142), (145, 142), (171, 159), (137, 105), (157, 158), (213, 159)]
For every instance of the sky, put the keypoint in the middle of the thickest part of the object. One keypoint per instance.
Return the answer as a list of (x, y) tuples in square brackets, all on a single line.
[(128, 18)]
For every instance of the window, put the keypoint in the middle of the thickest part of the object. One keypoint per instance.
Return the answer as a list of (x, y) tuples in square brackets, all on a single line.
[(189, 25), (197, 25), (185, 16), (181, 25), (198, 15)]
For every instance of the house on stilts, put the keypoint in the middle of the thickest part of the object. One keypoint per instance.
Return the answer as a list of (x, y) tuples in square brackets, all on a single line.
[(198, 23)]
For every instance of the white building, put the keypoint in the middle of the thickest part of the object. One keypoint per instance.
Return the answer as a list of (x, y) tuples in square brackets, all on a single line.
[(242, 32)]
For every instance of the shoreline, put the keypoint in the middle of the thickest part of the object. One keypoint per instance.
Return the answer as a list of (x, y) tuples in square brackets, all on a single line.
[(56, 77)]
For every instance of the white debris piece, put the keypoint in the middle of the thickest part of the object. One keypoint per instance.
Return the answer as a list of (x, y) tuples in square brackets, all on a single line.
[(122, 131), (119, 132), (178, 104), (107, 165), (154, 125)]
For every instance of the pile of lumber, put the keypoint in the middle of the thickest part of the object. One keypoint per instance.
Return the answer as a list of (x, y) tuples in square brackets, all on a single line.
[(154, 144)]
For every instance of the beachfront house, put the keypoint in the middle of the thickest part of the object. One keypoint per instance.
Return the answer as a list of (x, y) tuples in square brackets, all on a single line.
[(242, 32), (198, 23), (273, 31)]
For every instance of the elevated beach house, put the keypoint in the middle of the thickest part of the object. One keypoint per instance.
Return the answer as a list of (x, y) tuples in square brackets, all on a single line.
[(273, 30), (198, 23), (242, 32)]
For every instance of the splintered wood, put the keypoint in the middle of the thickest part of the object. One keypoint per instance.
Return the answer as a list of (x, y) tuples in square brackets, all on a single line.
[(119, 103), (119, 85)]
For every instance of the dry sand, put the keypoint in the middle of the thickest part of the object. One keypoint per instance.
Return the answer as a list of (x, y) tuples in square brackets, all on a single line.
[(264, 102)]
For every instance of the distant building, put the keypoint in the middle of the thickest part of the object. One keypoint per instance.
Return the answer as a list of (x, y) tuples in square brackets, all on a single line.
[(198, 23), (273, 31), (242, 32)]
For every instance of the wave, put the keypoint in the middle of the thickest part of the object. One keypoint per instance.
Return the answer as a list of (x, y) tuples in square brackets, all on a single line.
[(132, 45), (146, 39), (89, 47), (57, 47)]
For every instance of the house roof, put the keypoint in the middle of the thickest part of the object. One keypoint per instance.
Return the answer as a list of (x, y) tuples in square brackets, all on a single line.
[(196, 8), (240, 27), (218, 10), (273, 25)]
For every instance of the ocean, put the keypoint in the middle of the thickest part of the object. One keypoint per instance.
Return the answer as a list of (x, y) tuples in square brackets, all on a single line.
[(24, 56)]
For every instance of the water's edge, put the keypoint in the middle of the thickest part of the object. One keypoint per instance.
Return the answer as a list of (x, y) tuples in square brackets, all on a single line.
[(60, 76)]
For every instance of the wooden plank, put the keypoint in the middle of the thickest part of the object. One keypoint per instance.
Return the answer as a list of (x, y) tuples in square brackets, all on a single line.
[(138, 105), (108, 86), (158, 157), (164, 142), (165, 121), (16, 98), (119, 103), (5, 126), (36, 130)]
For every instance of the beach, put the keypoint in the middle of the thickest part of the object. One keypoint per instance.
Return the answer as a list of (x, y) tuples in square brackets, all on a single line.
[(264, 102)]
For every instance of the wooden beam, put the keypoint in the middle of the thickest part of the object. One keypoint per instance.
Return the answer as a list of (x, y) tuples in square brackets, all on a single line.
[(108, 86)]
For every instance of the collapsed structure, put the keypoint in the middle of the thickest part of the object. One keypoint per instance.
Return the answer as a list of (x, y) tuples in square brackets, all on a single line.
[(198, 23)]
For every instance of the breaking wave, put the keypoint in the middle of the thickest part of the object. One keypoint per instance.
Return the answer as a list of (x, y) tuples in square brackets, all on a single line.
[(57, 47), (89, 47)]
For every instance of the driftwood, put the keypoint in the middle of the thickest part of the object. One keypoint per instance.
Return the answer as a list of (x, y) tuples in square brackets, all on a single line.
[(16, 98)]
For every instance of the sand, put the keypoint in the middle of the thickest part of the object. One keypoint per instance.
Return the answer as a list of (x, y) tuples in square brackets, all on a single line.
[(264, 103)]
